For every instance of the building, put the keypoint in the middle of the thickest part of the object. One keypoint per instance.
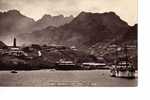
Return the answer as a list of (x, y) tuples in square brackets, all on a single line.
[(15, 50)]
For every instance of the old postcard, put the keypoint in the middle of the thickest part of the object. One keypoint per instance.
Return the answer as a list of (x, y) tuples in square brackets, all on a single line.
[(73, 43)]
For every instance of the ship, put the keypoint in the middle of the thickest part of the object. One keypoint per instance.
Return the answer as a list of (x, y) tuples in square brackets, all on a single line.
[(123, 67)]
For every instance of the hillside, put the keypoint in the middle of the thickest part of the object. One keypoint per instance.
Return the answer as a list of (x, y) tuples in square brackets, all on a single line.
[(85, 30), (14, 23), (48, 60), (97, 34), (55, 21), (2, 45)]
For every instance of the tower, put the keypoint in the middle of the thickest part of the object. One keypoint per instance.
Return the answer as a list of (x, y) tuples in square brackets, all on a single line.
[(14, 42)]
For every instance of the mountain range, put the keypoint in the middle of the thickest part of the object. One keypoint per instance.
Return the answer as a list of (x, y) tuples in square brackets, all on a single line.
[(13, 22), (84, 31), (56, 21)]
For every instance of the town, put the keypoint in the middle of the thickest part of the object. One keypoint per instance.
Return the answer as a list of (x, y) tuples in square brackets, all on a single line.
[(47, 57), (59, 57)]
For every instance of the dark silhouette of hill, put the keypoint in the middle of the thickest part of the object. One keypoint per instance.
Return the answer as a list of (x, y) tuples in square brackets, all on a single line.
[(131, 34)]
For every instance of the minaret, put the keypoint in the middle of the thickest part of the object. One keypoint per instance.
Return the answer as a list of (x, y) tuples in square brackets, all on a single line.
[(14, 42)]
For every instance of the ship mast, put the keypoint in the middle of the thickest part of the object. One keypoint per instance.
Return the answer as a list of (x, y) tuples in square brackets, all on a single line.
[(126, 55), (116, 58)]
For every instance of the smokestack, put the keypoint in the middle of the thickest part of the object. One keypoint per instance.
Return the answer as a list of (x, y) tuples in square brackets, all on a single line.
[(14, 42)]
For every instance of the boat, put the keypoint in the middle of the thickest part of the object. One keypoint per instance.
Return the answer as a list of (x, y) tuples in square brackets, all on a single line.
[(63, 64), (123, 68), (93, 65), (13, 71)]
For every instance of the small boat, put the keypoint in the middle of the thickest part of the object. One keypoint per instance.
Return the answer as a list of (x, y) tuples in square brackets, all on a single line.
[(13, 71)]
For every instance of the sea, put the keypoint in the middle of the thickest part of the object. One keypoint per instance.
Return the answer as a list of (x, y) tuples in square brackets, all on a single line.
[(61, 78)]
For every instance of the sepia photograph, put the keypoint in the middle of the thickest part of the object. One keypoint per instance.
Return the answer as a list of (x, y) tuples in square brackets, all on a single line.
[(69, 43)]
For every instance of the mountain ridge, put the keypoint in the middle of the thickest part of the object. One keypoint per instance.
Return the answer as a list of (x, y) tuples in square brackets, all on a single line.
[(84, 30), (13, 22)]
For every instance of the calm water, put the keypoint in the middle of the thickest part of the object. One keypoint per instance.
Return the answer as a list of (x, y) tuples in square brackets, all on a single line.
[(63, 78)]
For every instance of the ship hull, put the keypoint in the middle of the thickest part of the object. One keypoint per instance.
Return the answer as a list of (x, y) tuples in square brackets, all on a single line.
[(123, 74)]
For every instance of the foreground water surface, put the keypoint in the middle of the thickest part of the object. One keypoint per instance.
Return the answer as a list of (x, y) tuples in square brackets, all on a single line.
[(63, 78)]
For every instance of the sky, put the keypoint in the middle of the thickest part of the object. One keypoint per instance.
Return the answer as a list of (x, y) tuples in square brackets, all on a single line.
[(126, 9)]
